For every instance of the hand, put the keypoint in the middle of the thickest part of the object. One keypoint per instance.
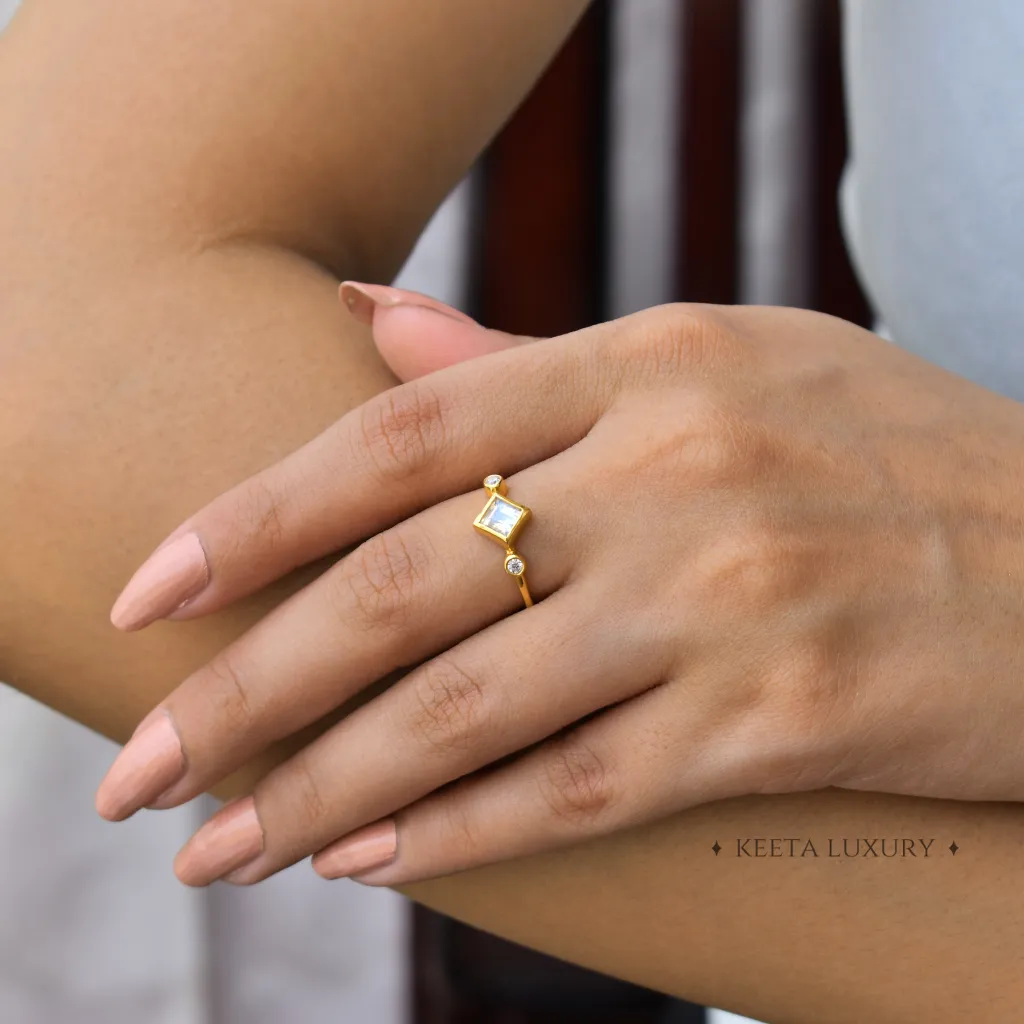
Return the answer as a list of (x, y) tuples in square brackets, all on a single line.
[(771, 552)]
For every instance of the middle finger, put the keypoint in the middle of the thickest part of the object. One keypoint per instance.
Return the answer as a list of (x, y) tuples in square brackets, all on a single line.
[(399, 598), (498, 692)]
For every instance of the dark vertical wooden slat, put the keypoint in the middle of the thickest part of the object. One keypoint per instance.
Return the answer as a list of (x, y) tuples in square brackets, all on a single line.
[(835, 287), (708, 257), (541, 232), (503, 983), (433, 996)]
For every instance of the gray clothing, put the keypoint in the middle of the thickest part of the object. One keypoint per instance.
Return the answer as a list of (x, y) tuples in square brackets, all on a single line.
[(933, 199)]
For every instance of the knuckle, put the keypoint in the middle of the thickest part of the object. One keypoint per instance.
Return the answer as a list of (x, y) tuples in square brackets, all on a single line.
[(720, 443), (680, 338), (706, 436), (382, 579), (746, 571), (306, 793), (449, 706), (403, 430), (802, 679), (726, 440), (227, 689), (458, 827), (575, 782), (263, 514), (801, 706)]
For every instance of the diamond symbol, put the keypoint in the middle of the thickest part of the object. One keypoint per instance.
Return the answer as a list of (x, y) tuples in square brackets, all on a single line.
[(716, 848), (500, 517), (515, 566), (953, 847), (493, 480)]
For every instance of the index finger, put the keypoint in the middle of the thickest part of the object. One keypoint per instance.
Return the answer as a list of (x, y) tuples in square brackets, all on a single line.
[(408, 448)]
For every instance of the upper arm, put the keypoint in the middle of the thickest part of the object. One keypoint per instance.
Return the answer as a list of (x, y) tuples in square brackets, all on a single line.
[(331, 127)]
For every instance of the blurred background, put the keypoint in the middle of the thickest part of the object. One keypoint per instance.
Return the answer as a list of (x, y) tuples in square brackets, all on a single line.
[(675, 149)]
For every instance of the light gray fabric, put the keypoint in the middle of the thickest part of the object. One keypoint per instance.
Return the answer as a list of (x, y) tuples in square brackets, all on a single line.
[(95, 929), (643, 169), (776, 220), (933, 199)]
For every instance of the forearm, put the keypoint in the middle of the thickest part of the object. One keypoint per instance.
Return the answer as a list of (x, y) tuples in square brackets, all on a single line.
[(330, 127), (811, 938), (245, 353)]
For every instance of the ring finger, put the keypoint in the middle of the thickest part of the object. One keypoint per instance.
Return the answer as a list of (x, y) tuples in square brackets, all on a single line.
[(502, 690), (401, 597)]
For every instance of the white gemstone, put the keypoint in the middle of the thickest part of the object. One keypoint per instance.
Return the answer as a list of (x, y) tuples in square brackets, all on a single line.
[(501, 516), (515, 566), (493, 480)]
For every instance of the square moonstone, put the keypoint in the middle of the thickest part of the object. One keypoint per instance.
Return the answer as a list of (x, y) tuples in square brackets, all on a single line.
[(501, 516)]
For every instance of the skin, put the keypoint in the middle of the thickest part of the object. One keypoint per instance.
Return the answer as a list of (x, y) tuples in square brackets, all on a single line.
[(146, 372), (823, 604)]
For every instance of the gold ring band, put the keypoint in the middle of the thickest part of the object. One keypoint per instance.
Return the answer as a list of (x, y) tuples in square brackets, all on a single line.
[(502, 519)]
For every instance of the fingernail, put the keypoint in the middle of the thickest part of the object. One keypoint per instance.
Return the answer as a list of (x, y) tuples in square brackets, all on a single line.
[(363, 299), (231, 838), (369, 848), (170, 576), (151, 762)]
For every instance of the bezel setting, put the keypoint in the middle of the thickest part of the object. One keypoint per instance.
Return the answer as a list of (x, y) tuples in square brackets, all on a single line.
[(502, 519), (514, 565)]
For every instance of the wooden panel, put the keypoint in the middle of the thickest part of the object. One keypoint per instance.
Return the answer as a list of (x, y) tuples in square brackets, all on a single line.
[(709, 222), (540, 263)]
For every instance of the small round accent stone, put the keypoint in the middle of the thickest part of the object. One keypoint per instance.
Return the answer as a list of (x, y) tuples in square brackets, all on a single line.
[(493, 480), (515, 566)]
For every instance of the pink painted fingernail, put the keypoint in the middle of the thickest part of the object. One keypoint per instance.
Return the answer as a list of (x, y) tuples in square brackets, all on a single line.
[(171, 575), (369, 848), (151, 762), (362, 299), (231, 838)]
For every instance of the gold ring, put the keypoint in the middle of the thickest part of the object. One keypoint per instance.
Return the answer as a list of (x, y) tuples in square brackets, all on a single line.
[(502, 519)]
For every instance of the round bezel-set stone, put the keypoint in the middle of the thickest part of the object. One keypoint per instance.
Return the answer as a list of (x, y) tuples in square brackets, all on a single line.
[(514, 565), (493, 480)]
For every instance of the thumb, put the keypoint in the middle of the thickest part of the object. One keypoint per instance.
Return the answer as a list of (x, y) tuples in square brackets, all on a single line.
[(416, 334)]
